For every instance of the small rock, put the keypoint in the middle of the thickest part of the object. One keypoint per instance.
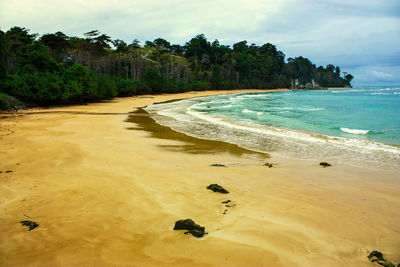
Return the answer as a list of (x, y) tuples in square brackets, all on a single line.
[(8, 171), (32, 225), (269, 165), (226, 201), (324, 164), (230, 205), (376, 256), (217, 165), (217, 188), (193, 228), (224, 212)]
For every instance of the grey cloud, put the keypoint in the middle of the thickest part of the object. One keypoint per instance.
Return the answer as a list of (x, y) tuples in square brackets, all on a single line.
[(354, 34)]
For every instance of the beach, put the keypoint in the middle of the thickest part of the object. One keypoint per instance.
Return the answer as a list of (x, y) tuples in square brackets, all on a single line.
[(106, 184)]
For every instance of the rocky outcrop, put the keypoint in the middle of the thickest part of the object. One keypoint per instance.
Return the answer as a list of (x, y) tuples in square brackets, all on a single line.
[(10, 103), (296, 85), (193, 228)]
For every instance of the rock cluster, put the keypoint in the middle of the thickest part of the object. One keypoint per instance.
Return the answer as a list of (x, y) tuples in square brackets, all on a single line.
[(296, 85)]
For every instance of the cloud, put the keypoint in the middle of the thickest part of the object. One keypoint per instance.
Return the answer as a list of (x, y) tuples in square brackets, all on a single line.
[(376, 75), (350, 33)]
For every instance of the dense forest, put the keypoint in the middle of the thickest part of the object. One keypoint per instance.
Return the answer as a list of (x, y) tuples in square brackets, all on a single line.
[(58, 69)]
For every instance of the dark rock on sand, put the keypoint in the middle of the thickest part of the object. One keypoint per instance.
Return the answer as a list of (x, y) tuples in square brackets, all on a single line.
[(8, 171), (377, 257), (193, 228), (228, 203), (32, 225), (217, 165), (324, 164), (217, 188), (269, 165)]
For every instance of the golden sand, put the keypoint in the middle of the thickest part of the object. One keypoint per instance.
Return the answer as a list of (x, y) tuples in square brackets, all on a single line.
[(106, 192)]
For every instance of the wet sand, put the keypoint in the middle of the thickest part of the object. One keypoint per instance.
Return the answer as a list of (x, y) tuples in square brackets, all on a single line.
[(106, 184)]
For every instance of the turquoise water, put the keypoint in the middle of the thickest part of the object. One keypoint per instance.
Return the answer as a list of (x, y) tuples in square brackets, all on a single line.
[(347, 125), (362, 113)]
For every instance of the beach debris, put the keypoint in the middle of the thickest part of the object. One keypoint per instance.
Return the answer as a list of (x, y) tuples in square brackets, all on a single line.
[(226, 201), (269, 165), (324, 164), (217, 165), (193, 228), (376, 256), (217, 188), (8, 171), (32, 225), (225, 211)]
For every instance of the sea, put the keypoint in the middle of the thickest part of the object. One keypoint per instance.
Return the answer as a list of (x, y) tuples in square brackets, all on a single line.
[(354, 125)]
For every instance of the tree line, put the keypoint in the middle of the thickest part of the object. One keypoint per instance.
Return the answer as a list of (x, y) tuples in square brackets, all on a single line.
[(58, 69)]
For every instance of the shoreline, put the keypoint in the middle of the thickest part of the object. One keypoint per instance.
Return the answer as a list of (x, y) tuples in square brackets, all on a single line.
[(105, 195), (385, 159)]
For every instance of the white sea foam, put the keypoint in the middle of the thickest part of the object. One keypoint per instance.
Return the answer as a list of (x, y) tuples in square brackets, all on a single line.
[(186, 116), (354, 131), (297, 108)]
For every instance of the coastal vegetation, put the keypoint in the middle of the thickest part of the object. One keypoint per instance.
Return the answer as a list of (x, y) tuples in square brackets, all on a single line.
[(58, 69)]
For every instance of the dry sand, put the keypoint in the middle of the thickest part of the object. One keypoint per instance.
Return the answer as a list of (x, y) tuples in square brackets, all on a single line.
[(105, 192)]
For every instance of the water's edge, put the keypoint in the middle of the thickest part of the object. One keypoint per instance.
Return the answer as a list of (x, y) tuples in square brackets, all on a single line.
[(180, 117)]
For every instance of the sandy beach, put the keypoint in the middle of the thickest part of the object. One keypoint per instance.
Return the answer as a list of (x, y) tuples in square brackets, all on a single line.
[(106, 186)]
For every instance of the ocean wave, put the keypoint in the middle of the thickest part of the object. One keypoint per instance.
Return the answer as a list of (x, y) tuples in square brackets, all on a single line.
[(297, 108), (385, 93), (354, 131), (185, 116)]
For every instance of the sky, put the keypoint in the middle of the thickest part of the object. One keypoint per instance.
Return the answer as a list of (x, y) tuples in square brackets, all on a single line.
[(360, 36)]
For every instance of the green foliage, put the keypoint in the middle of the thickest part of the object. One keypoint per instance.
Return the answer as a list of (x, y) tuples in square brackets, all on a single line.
[(58, 44), (38, 59), (86, 82), (199, 85), (348, 77), (3, 49), (106, 87), (58, 69), (154, 81), (127, 87)]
